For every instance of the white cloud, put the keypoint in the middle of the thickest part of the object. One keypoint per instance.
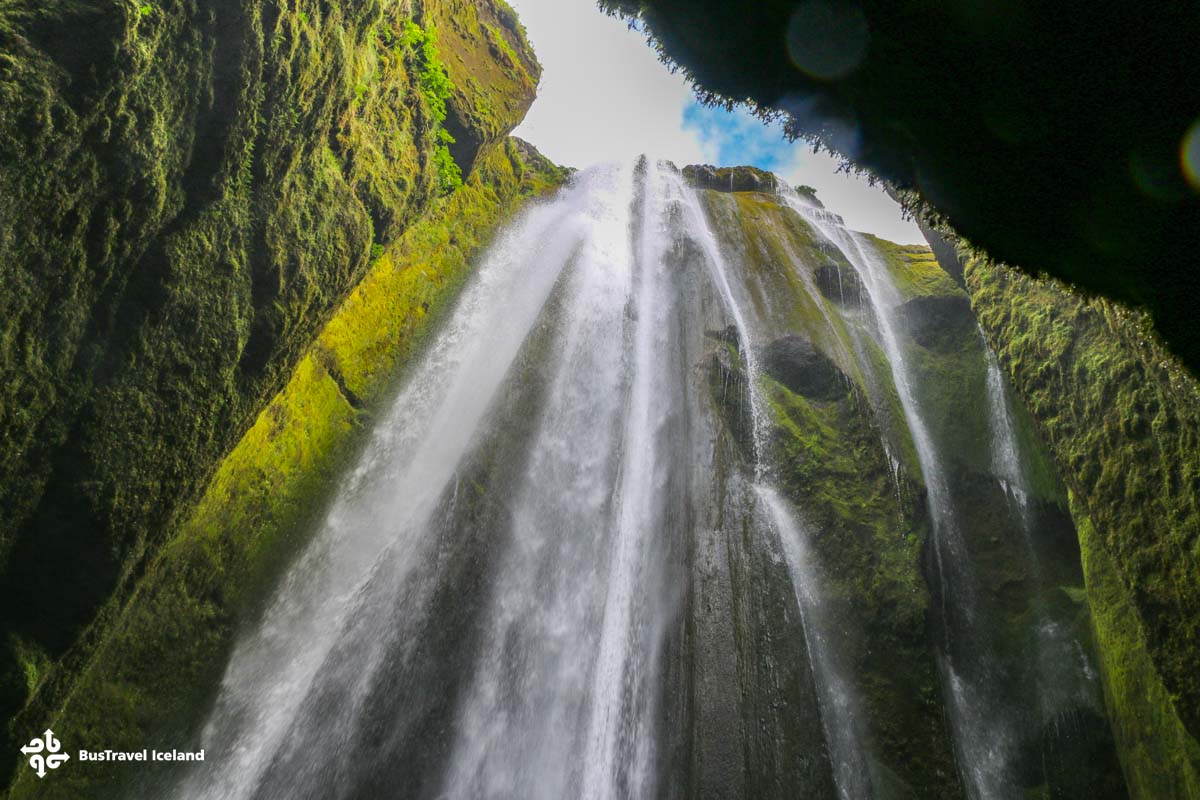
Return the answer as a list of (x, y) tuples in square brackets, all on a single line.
[(605, 96)]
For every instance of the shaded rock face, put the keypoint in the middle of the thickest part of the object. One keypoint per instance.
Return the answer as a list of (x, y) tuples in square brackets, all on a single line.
[(839, 284), (928, 318), (189, 190), (493, 72), (796, 364), (1048, 135)]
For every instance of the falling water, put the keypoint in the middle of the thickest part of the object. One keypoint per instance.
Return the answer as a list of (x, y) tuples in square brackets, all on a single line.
[(836, 701), (1006, 458), (489, 607), (1066, 677), (982, 737), (341, 595)]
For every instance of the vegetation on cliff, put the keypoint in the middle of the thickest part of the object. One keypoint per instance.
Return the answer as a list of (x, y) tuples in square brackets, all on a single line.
[(841, 452), (188, 191), (156, 657), (1122, 419)]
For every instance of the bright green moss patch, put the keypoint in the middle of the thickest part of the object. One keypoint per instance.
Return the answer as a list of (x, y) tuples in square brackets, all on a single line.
[(1160, 758), (914, 269)]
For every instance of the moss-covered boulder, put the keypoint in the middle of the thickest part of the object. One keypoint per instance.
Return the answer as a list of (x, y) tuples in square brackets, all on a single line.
[(730, 179), (800, 368)]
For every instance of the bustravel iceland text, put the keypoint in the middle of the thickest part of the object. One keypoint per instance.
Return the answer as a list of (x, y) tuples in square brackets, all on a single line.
[(141, 755)]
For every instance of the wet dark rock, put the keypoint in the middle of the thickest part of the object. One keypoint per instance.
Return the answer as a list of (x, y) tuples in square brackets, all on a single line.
[(802, 368), (930, 318), (840, 284)]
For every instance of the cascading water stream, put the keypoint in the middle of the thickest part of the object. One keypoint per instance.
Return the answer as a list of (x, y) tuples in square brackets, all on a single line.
[(837, 704), (340, 595), (982, 738), (1066, 678)]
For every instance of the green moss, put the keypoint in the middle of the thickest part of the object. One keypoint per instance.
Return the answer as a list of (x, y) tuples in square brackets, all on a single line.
[(185, 198), (1122, 420), (1160, 758), (157, 657), (493, 84), (1124, 435), (828, 459), (952, 391), (914, 269)]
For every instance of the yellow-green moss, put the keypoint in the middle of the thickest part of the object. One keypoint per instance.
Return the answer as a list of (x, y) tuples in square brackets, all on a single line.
[(1159, 757), (915, 270)]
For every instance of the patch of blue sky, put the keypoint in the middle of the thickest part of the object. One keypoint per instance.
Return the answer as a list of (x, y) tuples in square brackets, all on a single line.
[(739, 138)]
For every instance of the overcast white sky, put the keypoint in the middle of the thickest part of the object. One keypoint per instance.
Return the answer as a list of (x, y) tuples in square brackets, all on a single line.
[(604, 96)]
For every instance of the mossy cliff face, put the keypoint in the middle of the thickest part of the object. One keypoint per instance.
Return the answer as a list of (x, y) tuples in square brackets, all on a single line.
[(154, 659), (840, 449), (188, 191), (1122, 419)]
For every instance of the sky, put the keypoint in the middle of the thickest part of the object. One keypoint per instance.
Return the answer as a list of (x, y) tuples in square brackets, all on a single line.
[(605, 96)]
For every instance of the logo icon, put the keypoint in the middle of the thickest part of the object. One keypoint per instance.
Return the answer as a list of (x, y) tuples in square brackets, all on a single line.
[(43, 753)]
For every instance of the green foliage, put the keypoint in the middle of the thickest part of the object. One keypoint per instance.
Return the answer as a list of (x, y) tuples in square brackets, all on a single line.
[(437, 88), (432, 79), (449, 174)]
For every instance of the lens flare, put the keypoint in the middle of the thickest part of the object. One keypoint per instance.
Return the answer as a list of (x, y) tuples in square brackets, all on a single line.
[(1189, 155), (827, 40)]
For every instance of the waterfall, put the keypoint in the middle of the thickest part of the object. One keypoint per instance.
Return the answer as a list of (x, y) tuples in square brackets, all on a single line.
[(503, 598), (1059, 676), (340, 597), (836, 701)]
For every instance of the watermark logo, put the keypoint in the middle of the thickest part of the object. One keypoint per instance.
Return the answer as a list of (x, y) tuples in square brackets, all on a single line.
[(43, 753)]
